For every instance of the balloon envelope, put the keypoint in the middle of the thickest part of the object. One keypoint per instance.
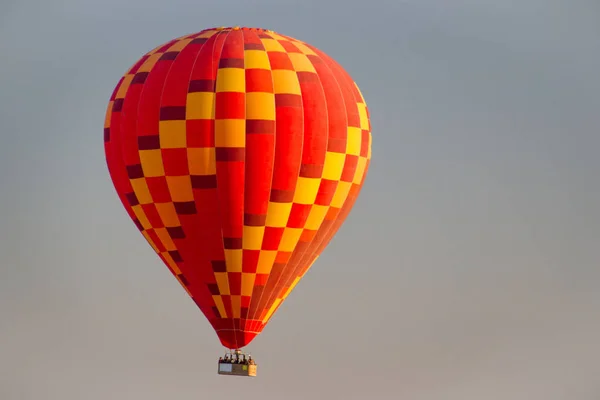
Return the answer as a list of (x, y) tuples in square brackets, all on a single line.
[(238, 153)]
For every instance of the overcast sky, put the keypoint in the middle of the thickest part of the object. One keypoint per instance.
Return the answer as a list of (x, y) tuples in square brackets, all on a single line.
[(470, 264)]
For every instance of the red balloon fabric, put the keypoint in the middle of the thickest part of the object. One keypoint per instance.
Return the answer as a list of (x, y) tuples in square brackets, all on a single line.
[(238, 153)]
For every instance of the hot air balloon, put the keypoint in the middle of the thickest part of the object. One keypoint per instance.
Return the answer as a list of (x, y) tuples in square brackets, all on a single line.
[(238, 154)]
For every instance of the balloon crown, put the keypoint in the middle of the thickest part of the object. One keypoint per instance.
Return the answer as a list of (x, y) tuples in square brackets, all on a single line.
[(237, 28)]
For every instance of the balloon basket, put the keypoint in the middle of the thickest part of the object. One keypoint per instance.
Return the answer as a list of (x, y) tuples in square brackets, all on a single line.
[(236, 363)]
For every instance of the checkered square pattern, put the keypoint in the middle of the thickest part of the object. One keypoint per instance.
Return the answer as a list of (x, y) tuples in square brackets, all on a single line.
[(238, 153)]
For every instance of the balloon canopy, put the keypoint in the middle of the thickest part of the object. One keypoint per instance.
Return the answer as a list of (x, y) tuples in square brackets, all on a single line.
[(238, 153)]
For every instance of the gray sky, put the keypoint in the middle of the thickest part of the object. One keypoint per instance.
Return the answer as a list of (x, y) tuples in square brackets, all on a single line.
[(471, 260)]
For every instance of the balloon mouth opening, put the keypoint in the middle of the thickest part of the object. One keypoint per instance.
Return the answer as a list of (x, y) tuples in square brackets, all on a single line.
[(236, 339)]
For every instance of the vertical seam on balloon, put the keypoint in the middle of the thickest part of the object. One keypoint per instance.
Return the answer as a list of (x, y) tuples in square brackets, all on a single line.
[(212, 54), (170, 43), (226, 33), (115, 144), (203, 282), (147, 55), (245, 171), (349, 200), (247, 320), (231, 317), (160, 103), (109, 113), (123, 143), (251, 318), (310, 256), (161, 100), (350, 82), (163, 84), (140, 98), (274, 295), (256, 310), (299, 265), (328, 231), (245, 177), (243, 197), (304, 257), (122, 121)]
